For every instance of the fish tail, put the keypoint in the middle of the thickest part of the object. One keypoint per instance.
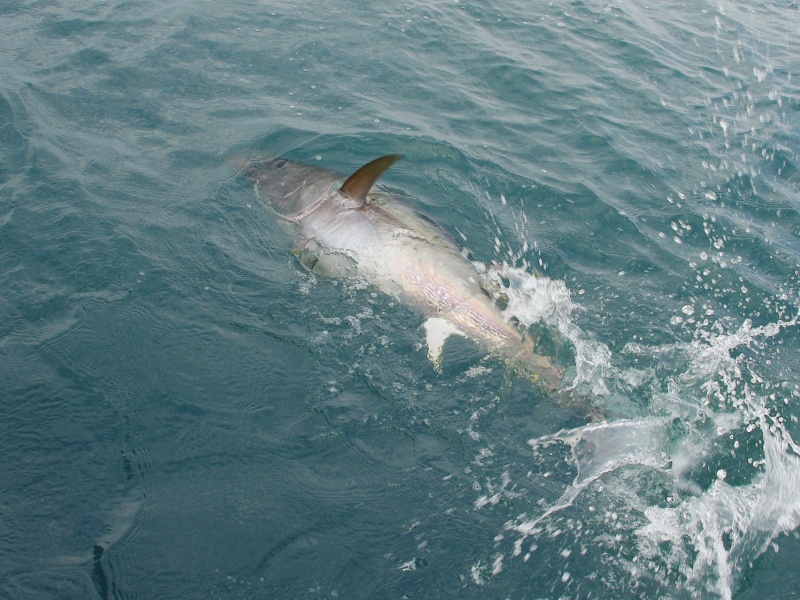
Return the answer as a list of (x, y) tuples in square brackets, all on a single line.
[(539, 368)]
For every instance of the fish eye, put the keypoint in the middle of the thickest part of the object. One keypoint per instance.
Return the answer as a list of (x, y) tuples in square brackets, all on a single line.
[(280, 163)]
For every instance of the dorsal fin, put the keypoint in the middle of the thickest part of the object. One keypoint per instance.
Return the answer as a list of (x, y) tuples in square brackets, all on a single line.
[(360, 183)]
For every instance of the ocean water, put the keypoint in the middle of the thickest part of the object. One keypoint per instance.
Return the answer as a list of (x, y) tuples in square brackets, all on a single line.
[(185, 412)]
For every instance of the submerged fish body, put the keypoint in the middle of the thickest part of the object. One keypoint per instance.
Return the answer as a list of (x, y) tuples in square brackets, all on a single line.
[(346, 227)]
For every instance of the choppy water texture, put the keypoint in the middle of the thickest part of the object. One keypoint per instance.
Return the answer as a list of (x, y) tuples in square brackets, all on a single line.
[(186, 412)]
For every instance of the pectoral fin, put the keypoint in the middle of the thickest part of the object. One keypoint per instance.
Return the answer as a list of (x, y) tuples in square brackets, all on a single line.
[(437, 330), (360, 183), (321, 261)]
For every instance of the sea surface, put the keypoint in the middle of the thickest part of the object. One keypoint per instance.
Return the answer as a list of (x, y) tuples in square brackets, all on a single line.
[(185, 412)]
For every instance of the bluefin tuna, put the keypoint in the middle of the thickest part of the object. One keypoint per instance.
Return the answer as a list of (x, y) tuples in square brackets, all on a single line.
[(348, 226)]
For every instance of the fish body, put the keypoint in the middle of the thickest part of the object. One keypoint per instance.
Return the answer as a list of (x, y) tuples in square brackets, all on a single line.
[(347, 227)]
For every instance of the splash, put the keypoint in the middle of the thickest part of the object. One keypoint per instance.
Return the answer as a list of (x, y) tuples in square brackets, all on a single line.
[(698, 511), (712, 538), (533, 299)]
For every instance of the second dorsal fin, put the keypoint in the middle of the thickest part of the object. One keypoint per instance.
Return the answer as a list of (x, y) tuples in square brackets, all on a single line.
[(360, 183)]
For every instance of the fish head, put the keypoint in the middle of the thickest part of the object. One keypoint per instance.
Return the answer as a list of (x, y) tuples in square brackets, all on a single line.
[(290, 188)]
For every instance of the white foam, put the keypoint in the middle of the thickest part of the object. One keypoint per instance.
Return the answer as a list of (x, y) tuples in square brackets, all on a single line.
[(533, 299), (598, 449), (727, 527), (714, 522)]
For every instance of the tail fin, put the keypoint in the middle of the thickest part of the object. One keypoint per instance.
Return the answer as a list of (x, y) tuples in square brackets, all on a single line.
[(584, 404), (545, 372), (539, 368)]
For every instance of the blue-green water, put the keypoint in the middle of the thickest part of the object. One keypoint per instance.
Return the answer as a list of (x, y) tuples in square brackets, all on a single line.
[(186, 413)]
